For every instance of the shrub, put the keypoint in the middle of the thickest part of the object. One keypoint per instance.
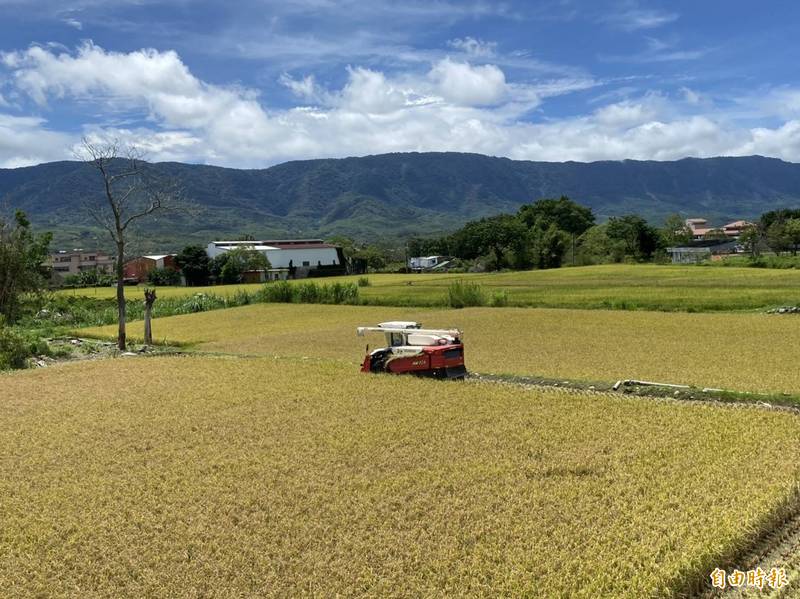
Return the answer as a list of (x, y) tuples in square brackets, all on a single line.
[(461, 294), (16, 348), (278, 291), (340, 293), (308, 293), (199, 302), (363, 282), (499, 299)]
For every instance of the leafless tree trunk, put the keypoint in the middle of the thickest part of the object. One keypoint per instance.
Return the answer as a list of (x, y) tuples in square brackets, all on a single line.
[(149, 300), (131, 192)]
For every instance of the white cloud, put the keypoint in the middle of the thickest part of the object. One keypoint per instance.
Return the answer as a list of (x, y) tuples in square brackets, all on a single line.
[(304, 88), (453, 106), (74, 23), (25, 141), (463, 83), (474, 47), (634, 18)]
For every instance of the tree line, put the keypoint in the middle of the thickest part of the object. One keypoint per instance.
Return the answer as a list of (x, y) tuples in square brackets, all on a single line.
[(547, 232)]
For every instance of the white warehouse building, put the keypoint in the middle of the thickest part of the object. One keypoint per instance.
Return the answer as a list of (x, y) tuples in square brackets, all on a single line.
[(300, 254)]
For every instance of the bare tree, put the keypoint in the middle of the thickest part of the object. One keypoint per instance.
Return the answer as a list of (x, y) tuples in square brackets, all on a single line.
[(149, 300), (131, 191)]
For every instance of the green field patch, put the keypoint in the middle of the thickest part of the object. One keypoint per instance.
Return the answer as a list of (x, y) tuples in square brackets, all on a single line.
[(615, 287)]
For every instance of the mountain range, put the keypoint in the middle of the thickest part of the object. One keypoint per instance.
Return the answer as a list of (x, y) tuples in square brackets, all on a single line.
[(393, 196)]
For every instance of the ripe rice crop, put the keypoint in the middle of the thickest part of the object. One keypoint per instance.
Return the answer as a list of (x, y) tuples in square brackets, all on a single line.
[(242, 477), (741, 352)]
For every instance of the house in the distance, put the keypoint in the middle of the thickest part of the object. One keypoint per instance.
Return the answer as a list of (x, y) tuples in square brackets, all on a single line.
[(698, 226), (137, 269), (700, 229), (78, 260), (299, 257), (736, 228)]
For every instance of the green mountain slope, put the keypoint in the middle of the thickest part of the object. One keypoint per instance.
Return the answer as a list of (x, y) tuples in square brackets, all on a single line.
[(396, 195)]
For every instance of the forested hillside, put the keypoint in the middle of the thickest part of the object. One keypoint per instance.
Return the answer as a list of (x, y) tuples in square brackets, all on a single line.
[(397, 195)]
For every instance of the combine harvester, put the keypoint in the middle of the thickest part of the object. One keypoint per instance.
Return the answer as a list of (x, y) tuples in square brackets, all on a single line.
[(410, 349)]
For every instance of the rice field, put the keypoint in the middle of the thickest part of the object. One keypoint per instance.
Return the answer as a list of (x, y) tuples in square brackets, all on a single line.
[(231, 476), (740, 352), (619, 287)]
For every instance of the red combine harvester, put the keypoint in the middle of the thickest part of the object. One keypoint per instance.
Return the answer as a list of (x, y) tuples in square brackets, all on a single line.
[(410, 349)]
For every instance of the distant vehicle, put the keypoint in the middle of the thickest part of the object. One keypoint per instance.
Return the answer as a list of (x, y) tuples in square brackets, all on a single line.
[(410, 349), (424, 263)]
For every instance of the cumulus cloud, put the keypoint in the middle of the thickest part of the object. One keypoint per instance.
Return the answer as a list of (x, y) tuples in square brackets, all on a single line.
[(462, 83), (454, 105), (25, 141)]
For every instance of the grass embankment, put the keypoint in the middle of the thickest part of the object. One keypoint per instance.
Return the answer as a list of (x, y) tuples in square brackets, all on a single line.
[(220, 476), (739, 352), (619, 287)]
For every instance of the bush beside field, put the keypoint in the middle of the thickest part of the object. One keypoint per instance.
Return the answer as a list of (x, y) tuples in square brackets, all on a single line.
[(298, 477)]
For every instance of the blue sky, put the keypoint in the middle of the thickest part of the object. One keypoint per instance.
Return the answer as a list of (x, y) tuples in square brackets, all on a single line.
[(256, 82)]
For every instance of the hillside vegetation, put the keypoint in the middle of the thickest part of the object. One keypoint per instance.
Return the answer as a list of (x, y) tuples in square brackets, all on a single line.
[(404, 194)]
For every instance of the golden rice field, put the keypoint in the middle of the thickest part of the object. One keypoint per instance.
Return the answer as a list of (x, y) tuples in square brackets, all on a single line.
[(613, 286), (742, 352), (203, 476)]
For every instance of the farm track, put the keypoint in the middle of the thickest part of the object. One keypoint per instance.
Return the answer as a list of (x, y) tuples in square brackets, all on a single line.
[(710, 396)]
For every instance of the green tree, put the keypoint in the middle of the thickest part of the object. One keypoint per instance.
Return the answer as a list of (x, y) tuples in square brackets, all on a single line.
[(194, 264), (549, 246), (751, 239), (22, 254), (595, 246), (675, 231), (161, 277), (769, 218), (375, 257), (638, 238), (493, 235), (792, 231), (229, 267), (777, 238), (566, 215)]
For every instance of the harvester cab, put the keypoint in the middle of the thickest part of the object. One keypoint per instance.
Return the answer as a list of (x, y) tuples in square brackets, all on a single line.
[(410, 349)]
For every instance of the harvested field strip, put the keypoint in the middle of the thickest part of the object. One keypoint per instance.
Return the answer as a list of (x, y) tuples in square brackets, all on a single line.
[(167, 476), (739, 352)]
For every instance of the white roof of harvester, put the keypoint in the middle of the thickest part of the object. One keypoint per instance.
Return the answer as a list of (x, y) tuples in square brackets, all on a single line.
[(399, 324)]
